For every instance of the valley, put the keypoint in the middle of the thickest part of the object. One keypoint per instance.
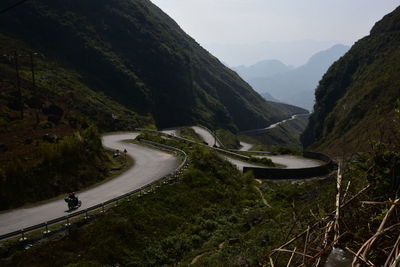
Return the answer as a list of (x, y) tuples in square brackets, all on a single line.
[(178, 159)]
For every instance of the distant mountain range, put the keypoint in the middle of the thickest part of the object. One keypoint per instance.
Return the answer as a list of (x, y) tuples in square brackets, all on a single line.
[(278, 82), (291, 52)]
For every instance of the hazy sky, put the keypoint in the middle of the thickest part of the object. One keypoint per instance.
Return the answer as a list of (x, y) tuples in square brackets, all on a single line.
[(255, 21)]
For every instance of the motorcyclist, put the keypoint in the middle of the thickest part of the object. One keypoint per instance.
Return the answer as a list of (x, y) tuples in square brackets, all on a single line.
[(72, 200)]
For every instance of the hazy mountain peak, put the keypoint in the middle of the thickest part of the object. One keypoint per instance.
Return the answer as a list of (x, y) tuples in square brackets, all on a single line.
[(291, 85)]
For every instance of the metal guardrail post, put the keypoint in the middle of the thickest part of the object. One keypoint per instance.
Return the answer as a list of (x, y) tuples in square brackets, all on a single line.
[(46, 231), (68, 224), (86, 215), (23, 237)]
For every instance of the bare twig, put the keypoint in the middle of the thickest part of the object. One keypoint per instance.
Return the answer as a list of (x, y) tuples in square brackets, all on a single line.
[(292, 251), (338, 192), (328, 228), (322, 251), (322, 220), (396, 261), (368, 244), (395, 247), (291, 257), (346, 191), (305, 244), (379, 231), (369, 263), (381, 203), (271, 262)]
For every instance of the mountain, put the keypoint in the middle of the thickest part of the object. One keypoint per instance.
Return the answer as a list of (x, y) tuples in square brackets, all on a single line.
[(356, 99), (296, 86), (292, 52), (265, 68), (269, 97), (137, 56)]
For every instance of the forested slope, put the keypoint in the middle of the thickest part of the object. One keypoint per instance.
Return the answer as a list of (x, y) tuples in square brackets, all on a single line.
[(356, 99)]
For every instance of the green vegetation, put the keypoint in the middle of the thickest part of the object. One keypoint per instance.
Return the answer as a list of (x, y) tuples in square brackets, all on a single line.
[(62, 164), (228, 139), (141, 59), (355, 100), (49, 143), (189, 133), (285, 134), (263, 161), (173, 226), (214, 216)]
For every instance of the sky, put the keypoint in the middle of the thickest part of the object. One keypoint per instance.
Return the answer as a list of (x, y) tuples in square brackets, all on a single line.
[(250, 22)]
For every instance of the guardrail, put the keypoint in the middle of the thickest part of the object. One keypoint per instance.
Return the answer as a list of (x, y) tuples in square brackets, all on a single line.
[(214, 134), (299, 173), (102, 206), (228, 152)]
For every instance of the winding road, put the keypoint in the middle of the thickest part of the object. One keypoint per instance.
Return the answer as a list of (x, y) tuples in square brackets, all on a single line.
[(206, 136), (289, 161), (150, 165)]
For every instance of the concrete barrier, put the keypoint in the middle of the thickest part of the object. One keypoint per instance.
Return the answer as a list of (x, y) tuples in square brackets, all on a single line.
[(300, 173)]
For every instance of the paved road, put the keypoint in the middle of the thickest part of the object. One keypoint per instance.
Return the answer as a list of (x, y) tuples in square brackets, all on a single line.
[(289, 161), (294, 162), (150, 165), (245, 146), (171, 131), (240, 164), (206, 135)]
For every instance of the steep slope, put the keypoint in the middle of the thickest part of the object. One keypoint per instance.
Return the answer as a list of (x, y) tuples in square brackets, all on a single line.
[(48, 145), (355, 100), (297, 86), (138, 56)]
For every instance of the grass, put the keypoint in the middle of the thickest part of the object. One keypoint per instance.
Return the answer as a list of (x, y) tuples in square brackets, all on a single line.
[(121, 165), (189, 133), (173, 226), (213, 214)]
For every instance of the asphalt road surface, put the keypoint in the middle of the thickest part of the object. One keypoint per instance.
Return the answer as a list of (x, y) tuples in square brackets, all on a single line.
[(205, 135), (245, 146), (294, 162), (150, 165)]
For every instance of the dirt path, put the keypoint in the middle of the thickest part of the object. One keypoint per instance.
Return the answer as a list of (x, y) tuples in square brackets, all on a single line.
[(262, 197)]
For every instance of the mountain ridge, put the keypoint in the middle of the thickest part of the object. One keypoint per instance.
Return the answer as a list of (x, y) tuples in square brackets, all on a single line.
[(356, 99), (138, 56), (296, 86)]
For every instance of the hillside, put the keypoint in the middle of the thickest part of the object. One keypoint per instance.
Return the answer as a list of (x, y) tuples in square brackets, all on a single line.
[(135, 54), (356, 99), (49, 144), (294, 86)]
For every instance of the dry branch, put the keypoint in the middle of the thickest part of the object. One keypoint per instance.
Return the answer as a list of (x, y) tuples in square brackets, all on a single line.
[(338, 192), (395, 247), (369, 263), (320, 221), (381, 203), (292, 251), (291, 257)]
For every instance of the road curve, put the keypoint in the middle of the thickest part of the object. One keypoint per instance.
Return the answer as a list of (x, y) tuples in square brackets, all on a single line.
[(294, 162), (150, 165), (245, 146), (206, 136)]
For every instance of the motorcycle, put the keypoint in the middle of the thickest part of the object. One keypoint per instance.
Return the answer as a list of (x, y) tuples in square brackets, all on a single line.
[(73, 202)]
